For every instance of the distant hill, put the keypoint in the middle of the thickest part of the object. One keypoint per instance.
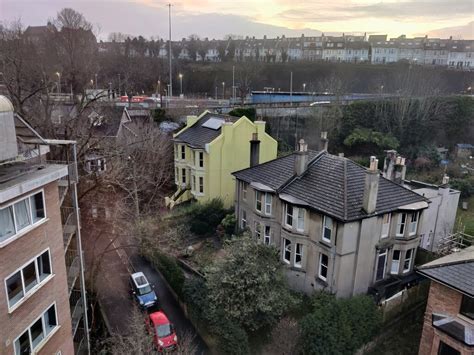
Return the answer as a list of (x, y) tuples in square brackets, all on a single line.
[(458, 32)]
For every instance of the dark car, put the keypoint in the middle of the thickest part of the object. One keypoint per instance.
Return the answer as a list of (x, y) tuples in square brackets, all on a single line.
[(142, 291)]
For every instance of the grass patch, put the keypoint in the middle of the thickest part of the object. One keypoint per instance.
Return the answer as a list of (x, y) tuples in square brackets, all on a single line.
[(465, 219)]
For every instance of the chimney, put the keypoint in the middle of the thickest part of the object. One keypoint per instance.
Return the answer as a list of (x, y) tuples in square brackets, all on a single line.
[(389, 164), (371, 187), (254, 150), (301, 157), (400, 170), (445, 179), (323, 142)]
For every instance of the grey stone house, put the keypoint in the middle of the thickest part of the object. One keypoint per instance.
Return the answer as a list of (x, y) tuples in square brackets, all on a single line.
[(339, 226)]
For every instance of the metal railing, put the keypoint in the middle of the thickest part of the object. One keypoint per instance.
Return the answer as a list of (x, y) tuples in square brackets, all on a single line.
[(76, 304), (454, 243)]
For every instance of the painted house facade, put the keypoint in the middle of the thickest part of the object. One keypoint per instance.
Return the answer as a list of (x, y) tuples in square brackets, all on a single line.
[(209, 148), (338, 226)]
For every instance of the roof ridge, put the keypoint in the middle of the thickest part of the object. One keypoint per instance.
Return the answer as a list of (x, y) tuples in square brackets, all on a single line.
[(449, 263)]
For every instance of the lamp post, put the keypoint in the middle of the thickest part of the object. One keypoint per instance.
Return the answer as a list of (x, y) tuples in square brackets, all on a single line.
[(181, 83), (58, 74), (223, 90)]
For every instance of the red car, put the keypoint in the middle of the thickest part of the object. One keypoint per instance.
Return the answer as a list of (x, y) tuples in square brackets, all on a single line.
[(164, 334)]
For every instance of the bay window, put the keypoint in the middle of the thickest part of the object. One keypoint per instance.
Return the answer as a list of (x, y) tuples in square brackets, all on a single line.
[(395, 268), (286, 250), (201, 159), (298, 254), (244, 191), (258, 230), (201, 185), (402, 220), (381, 264), (413, 223), (183, 152), (408, 260), (258, 201), (289, 215), (385, 225), (268, 204), (267, 235)]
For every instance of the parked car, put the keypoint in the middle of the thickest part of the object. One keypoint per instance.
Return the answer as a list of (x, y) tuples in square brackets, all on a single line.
[(164, 333), (142, 291)]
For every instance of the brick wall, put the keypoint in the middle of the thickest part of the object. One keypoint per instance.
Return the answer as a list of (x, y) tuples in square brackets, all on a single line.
[(443, 300), (17, 253)]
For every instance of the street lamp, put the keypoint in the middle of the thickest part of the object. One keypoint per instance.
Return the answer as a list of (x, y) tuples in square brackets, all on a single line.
[(58, 74), (304, 87), (181, 83), (223, 90)]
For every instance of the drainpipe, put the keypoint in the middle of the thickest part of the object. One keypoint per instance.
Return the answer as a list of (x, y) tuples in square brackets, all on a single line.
[(79, 248)]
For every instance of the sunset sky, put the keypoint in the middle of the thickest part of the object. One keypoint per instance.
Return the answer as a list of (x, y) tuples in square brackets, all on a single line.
[(212, 18)]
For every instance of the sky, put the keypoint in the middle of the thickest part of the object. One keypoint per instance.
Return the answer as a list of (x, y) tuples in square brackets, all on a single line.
[(214, 19)]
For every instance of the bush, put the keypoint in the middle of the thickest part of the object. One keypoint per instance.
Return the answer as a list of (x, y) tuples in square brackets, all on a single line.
[(248, 112), (339, 326), (159, 115), (228, 224), (206, 217), (170, 270), (232, 339), (195, 296), (466, 186)]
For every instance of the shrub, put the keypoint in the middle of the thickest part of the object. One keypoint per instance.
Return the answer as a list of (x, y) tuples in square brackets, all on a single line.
[(228, 223), (248, 112), (466, 186), (206, 217), (171, 271), (232, 339)]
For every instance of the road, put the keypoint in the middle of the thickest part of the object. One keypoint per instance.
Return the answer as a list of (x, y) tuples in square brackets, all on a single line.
[(103, 241)]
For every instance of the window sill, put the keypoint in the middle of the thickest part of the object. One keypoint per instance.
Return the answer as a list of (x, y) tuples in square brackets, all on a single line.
[(325, 244), (29, 294), (23, 232), (321, 281), (262, 214), (293, 231), (298, 269), (42, 343)]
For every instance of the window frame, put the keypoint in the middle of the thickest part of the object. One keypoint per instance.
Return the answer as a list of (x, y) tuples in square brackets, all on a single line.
[(200, 159), (392, 271), (466, 299), (258, 230), (258, 200), (380, 253), (321, 265), (414, 215), (295, 217), (323, 237), (183, 176), (182, 152), (400, 223), (267, 238), (33, 224), (300, 254), (288, 205), (286, 248), (268, 204), (39, 282), (46, 336), (244, 188), (410, 260), (201, 185), (385, 233)]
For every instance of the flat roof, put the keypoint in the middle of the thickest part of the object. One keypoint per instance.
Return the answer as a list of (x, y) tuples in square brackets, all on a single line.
[(20, 178)]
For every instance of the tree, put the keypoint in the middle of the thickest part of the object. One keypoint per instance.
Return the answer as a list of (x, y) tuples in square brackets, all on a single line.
[(366, 141), (248, 286), (193, 46), (339, 326)]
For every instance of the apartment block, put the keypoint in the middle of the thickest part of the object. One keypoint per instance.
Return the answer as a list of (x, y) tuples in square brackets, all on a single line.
[(42, 305)]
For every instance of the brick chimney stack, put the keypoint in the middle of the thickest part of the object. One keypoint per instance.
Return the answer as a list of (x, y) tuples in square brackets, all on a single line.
[(371, 187), (301, 158), (254, 150), (324, 141)]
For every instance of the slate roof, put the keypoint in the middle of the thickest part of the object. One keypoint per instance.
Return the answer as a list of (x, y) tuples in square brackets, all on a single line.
[(455, 270), (332, 185), (198, 136)]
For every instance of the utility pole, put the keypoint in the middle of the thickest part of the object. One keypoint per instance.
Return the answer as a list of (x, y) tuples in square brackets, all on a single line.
[(170, 93), (291, 88)]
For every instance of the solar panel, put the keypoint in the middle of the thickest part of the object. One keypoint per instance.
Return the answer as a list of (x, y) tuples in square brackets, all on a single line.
[(213, 123)]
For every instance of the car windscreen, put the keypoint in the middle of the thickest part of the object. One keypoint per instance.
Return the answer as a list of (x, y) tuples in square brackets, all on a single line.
[(144, 290), (163, 330)]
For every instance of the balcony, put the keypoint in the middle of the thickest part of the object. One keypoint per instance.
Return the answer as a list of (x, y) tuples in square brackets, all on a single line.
[(68, 218), (71, 168), (75, 301), (73, 273)]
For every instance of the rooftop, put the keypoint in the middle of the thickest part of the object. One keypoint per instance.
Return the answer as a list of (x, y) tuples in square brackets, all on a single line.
[(332, 185), (454, 270)]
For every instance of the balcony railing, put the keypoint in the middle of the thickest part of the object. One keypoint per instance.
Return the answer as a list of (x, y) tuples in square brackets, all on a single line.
[(75, 302), (73, 273), (68, 218), (454, 243)]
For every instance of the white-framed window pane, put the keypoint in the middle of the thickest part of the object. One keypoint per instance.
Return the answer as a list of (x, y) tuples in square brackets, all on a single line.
[(29, 276), (201, 185), (327, 230), (268, 204), (394, 269), (22, 344), (244, 191), (300, 225), (37, 333), (408, 259), (258, 231), (385, 224), (14, 288), (183, 152), (7, 227), (289, 215), (183, 175), (401, 223), (258, 201), (37, 207), (44, 265), (201, 159), (298, 254), (50, 319), (22, 214), (267, 235), (381, 263), (287, 250), (323, 266), (413, 223)]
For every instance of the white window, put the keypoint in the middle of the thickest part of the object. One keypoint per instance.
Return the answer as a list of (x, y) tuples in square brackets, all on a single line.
[(381, 264), (21, 214), (23, 281), (408, 260), (385, 225), (183, 152), (243, 221), (327, 229), (34, 335), (413, 223), (267, 237), (244, 191), (402, 220), (323, 266), (258, 230), (298, 254), (286, 250), (258, 201), (293, 214), (201, 185), (395, 268), (268, 204), (201, 159)]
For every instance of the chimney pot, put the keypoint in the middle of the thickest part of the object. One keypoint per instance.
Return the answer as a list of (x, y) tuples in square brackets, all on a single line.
[(341, 155), (301, 158), (445, 179), (371, 187)]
